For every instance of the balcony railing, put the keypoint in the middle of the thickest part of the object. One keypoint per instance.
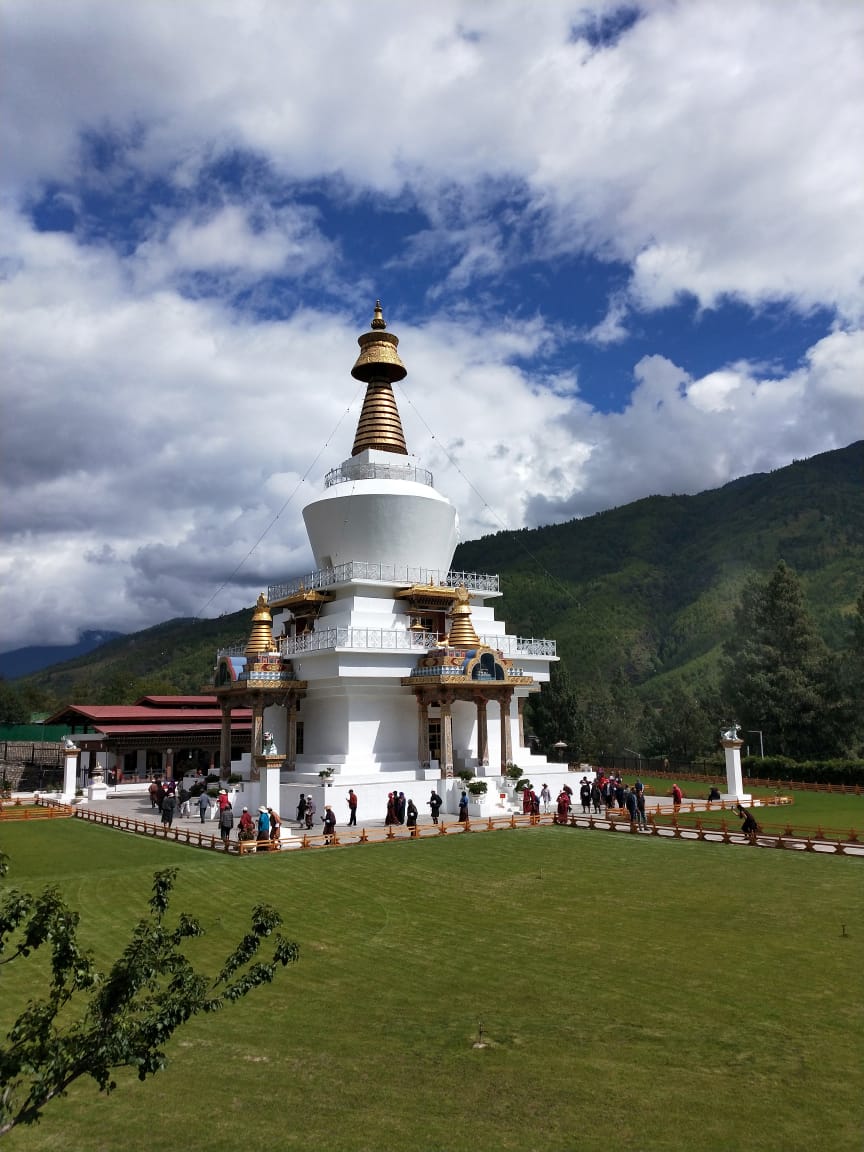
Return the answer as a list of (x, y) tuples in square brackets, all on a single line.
[(381, 573), (395, 639), (379, 639), (348, 472)]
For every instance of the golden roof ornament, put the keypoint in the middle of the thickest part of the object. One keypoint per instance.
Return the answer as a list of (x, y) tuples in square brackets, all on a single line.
[(261, 636), (379, 365), (462, 634)]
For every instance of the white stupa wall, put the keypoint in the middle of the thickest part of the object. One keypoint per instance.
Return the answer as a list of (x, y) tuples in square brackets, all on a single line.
[(395, 522)]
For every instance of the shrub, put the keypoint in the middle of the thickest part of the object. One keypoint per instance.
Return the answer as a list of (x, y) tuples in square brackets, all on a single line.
[(850, 772), (465, 776), (522, 784), (513, 771), (478, 787)]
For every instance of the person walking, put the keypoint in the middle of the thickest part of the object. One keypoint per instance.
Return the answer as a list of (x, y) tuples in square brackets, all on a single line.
[(153, 791), (263, 827), (677, 797), (185, 797), (435, 803), (203, 805), (169, 804), (641, 818), (596, 797), (411, 814), (546, 797), (226, 823), (352, 808), (301, 810), (463, 808), (275, 827), (309, 814), (246, 826), (329, 819), (562, 805)]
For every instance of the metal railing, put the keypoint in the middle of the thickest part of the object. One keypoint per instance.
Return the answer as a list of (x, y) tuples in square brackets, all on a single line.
[(378, 639), (348, 472), (394, 639), (396, 574)]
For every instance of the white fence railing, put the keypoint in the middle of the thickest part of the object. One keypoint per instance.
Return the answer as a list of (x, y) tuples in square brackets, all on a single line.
[(381, 573), (395, 639), (348, 472)]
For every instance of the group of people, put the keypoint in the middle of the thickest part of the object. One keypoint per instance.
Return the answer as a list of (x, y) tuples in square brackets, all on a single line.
[(266, 828), (401, 810)]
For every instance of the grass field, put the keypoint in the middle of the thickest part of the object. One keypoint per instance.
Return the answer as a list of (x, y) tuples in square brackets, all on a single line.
[(635, 993)]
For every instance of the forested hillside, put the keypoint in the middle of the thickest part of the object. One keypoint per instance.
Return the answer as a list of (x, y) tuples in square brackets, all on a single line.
[(651, 588)]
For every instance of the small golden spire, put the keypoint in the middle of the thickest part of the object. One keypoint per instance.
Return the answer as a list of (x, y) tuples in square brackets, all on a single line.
[(379, 365), (261, 636), (462, 634)]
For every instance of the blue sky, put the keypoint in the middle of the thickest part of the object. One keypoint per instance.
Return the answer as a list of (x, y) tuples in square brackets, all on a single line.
[(621, 246)]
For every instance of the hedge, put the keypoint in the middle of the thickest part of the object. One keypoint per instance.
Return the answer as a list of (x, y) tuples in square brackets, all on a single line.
[(807, 771)]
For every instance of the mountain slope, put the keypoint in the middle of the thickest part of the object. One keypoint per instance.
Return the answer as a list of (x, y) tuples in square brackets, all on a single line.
[(650, 587)]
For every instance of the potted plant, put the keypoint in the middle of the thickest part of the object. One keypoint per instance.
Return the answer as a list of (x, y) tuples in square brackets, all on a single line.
[(478, 787), (513, 772), (325, 774), (465, 776)]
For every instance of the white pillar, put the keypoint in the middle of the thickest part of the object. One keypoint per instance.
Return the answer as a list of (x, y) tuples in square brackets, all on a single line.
[(269, 793), (734, 778), (71, 759)]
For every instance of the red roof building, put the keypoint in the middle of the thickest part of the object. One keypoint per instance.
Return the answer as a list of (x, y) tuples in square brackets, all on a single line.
[(157, 736)]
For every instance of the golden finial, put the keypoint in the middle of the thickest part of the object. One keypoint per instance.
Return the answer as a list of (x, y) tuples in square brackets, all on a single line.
[(261, 636), (379, 366), (462, 634)]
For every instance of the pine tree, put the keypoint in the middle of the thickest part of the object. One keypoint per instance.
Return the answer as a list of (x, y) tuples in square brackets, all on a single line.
[(775, 669)]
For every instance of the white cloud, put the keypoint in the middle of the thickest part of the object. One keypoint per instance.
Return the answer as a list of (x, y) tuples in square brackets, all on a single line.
[(718, 145)]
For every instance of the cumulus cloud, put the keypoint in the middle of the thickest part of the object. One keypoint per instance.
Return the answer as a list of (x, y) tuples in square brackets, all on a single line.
[(715, 145)]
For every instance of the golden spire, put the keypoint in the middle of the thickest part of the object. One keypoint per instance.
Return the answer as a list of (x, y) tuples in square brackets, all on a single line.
[(261, 636), (462, 634), (379, 365)]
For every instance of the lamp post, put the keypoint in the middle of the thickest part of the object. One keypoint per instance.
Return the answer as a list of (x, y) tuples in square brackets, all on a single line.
[(758, 732)]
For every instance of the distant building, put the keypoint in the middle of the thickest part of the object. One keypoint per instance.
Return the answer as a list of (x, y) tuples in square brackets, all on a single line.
[(157, 736)]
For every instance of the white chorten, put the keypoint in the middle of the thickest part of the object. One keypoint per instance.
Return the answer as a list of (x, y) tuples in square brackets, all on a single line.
[(383, 667)]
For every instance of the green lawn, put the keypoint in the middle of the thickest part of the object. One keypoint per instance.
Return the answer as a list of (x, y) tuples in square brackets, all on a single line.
[(635, 993)]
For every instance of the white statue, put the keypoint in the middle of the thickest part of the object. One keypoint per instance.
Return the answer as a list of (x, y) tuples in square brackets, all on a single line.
[(730, 733), (269, 747)]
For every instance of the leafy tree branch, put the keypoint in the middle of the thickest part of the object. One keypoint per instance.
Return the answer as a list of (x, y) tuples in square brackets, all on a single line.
[(92, 1024)]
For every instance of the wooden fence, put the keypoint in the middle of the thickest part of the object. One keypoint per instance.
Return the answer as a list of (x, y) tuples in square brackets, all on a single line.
[(665, 823)]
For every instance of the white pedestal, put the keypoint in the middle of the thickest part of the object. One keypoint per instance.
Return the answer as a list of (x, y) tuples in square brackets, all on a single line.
[(734, 777), (70, 774), (97, 790), (270, 783)]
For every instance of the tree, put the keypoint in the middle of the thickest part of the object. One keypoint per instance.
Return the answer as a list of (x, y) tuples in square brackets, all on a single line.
[(775, 669), (89, 1024), (680, 725)]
